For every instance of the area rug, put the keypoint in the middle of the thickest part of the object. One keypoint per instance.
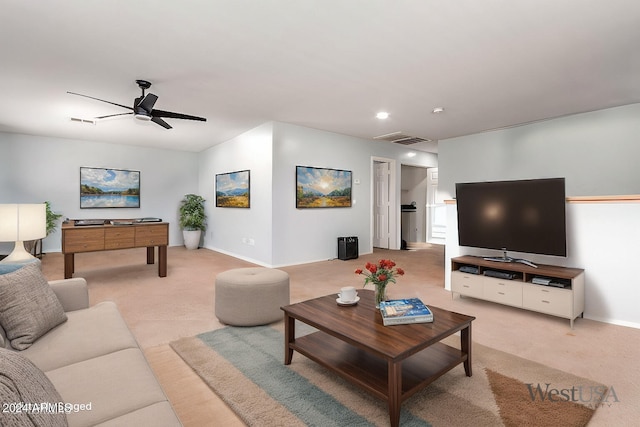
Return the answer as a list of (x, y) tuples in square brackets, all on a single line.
[(244, 366)]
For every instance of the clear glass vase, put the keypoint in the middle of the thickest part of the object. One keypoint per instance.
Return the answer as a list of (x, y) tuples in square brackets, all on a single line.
[(381, 293)]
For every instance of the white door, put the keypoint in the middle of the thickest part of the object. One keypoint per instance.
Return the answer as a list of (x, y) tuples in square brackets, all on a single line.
[(436, 210), (381, 205)]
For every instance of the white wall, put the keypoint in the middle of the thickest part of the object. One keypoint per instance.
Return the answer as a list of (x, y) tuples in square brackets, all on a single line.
[(282, 234), (34, 169), (597, 153), (227, 227), (305, 235)]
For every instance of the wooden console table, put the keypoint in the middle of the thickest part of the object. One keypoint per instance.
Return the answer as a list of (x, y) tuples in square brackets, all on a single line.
[(94, 238)]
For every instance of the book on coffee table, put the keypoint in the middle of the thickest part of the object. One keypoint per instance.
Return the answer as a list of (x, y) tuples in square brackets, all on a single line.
[(405, 311)]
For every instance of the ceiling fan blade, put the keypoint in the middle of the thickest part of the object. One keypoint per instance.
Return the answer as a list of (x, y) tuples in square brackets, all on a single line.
[(148, 102), (161, 122), (101, 100), (113, 115), (171, 115)]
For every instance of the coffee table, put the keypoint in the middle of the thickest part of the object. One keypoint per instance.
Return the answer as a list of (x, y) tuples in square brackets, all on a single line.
[(390, 362)]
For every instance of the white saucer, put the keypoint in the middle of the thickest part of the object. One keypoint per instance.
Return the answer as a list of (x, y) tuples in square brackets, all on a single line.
[(345, 303)]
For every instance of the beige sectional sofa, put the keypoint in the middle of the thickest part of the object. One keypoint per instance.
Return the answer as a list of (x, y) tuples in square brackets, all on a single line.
[(96, 365)]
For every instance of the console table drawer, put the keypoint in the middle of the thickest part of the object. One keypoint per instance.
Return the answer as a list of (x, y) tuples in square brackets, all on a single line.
[(547, 300), (503, 291), (467, 284), (83, 240), (119, 238), (152, 235)]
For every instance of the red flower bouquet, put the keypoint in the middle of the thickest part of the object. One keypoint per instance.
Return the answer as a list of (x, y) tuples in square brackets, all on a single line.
[(380, 274)]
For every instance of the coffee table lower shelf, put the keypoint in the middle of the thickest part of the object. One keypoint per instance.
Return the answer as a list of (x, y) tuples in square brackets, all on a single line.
[(371, 372)]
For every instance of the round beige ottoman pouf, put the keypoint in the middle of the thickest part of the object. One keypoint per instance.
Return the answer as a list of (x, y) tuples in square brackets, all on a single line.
[(251, 296)]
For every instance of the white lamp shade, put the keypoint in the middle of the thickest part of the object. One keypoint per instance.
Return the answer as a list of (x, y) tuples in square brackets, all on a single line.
[(23, 222)]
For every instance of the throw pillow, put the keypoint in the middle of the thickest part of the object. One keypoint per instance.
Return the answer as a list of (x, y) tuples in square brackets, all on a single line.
[(28, 306), (27, 395), (10, 268)]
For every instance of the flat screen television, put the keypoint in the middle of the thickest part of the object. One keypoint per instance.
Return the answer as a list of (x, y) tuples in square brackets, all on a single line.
[(524, 216)]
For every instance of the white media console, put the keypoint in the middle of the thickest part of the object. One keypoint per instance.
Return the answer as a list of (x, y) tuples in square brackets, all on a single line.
[(520, 291)]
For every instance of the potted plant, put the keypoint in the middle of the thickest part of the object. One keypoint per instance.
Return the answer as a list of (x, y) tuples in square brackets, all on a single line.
[(51, 224), (52, 219), (193, 220)]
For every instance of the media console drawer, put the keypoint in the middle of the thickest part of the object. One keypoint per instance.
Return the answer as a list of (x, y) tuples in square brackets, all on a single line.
[(119, 237), (467, 284), (83, 240), (152, 235), (547, 300), (503, 291)]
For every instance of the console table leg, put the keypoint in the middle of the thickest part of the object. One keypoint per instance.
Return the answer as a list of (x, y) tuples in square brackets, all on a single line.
[(395, 391), (465, 346), (289, 337), (151, 254), (69, 266), (162, 261)]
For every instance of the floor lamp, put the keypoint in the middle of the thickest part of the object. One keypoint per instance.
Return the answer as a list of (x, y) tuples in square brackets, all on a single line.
[(21, 222)]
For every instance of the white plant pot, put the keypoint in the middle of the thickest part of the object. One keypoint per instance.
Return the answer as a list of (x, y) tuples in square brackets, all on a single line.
[(191, 238)]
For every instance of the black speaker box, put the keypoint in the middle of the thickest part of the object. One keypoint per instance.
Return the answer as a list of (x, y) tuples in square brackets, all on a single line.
[(347, 248)]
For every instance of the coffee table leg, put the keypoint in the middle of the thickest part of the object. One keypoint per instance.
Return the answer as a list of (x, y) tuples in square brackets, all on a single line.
[(465, 345), (395, 392), (289, 337)]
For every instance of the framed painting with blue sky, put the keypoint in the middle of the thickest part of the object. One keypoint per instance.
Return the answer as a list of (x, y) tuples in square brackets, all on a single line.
[(109, 188), (233, 189), (322, 188)]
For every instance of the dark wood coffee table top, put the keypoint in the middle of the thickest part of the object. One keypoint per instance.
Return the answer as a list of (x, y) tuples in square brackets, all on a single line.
[(361, 325), (391, 362)]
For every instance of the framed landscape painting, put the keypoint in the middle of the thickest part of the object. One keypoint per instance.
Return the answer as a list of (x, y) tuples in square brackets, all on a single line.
[(109, 188), (322, 188), (233, 189)]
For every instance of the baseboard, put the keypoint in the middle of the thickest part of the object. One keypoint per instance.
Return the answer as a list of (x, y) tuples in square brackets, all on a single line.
[(614, 322)]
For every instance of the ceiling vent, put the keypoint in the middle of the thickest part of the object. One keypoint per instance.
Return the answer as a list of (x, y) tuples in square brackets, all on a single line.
[(79, 120), (401, 138)]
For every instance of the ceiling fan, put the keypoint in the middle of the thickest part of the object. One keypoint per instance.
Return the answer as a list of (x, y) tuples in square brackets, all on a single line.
[(143, 108)]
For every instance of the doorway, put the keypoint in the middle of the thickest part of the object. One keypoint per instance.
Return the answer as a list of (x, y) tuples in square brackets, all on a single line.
[(384, 218)]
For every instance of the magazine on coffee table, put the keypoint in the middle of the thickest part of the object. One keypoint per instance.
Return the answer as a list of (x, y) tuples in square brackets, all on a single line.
[(405, 311)]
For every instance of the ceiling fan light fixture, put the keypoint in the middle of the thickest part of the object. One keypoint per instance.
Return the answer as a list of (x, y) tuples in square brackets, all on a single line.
[(382, 115), (142, 117)]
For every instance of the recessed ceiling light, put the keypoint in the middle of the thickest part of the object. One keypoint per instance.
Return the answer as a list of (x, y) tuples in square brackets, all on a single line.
[(382, 115), (438, 110)]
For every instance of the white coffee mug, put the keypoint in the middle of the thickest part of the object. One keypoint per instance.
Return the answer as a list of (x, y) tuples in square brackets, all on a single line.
[(348, 294)]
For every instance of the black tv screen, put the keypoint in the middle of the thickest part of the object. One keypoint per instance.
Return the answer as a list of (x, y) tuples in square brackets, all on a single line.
[(523, 216)]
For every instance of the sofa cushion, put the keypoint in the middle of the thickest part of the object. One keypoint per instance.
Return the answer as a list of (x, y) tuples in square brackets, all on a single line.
[(115, 384), (87, 333), (21, 382), (28, 306)]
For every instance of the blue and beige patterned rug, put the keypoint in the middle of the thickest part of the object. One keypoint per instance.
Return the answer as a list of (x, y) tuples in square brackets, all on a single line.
[(244, 366)]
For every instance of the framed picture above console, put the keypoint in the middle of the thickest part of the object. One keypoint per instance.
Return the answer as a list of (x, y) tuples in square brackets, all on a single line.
[(322, 188), (109, 188), (233, 189)]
